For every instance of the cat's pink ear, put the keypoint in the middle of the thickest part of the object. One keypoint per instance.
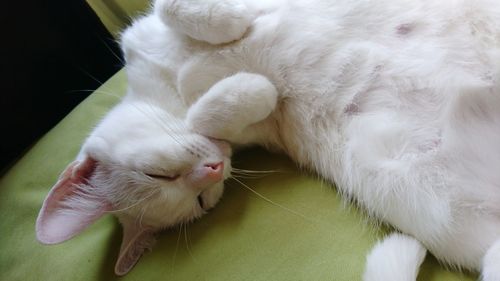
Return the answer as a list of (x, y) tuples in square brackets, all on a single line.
[(136, 239), (67, 210)]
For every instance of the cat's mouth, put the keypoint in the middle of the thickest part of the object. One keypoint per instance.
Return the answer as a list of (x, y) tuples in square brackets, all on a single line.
[(200, 201), (209, 197)]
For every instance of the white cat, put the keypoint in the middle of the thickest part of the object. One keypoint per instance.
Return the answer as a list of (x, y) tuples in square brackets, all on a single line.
[(396, 102)]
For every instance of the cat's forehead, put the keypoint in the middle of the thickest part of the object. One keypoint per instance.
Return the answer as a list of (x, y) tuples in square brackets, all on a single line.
[(156, 150), (164, 151), (133, 120), (138, 130)]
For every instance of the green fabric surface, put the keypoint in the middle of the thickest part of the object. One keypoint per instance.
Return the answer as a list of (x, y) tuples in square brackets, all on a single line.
[(117, 14), (308, 233)]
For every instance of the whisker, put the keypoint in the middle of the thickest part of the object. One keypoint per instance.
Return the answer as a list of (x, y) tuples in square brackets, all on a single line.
[(177, 243), (143, 211), (159, 121), (272, 202), (251, 174), (246, 176), (257, 171), (97, 91), (162, 125), (119, 58), (189, 238), (153, 192), (187, 243), (83, 90), (171, 125), (179, 126), (89, 75)]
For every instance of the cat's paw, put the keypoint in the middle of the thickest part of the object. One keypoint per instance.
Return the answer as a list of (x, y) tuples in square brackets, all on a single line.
[(491, 260), (397, 257), (231, 105), (212, 21)]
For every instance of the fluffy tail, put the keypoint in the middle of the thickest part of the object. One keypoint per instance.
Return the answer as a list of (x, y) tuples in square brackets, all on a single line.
[(397, 258)]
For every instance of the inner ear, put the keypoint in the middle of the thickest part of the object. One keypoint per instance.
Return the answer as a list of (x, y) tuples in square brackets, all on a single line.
[(136, 240), (70, 205)]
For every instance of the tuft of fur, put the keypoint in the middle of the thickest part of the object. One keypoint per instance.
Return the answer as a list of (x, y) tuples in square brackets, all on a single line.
[(212, 21), (491, 271)]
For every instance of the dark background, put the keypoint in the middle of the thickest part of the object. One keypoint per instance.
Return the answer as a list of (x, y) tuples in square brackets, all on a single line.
[(54, 52)]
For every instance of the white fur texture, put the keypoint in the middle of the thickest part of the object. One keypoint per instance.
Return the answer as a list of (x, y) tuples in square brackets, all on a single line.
[(138, 139), (396, 102), (491, 265), (246, 93), (148, 169), (397, 258), (213, 21)]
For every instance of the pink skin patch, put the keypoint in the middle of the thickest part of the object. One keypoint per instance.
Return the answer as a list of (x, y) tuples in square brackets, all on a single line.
[(404, 29), (351, 109)]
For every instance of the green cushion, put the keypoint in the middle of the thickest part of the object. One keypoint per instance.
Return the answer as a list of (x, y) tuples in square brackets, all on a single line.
[(117, 14), (307, 233)]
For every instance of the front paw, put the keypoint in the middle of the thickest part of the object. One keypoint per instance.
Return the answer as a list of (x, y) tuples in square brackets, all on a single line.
[(212, 21), (232, 105)]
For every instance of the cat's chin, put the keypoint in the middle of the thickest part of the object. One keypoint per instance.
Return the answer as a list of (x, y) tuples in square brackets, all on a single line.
[(211, 196)]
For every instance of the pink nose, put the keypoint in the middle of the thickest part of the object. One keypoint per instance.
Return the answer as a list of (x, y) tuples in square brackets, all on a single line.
[(214, 171)]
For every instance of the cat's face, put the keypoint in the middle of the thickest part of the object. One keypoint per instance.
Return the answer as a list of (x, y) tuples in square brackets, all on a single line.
[(144, 166), (153, 169)]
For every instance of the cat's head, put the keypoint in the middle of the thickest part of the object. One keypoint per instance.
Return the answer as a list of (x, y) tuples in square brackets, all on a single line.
[(142, 165)]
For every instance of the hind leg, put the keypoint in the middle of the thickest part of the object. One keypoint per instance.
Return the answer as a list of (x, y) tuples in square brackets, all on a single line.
[(491, 263), (212, 21)]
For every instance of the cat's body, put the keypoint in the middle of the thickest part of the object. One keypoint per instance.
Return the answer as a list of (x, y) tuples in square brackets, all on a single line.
[(396, 102)]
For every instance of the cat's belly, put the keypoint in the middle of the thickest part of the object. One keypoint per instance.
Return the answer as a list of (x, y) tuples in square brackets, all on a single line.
[(368, 116), (389, 145), (399, 171)]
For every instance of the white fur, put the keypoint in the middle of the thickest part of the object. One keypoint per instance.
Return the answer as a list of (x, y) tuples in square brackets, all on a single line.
[(158, 144), (213, 21), (247, 93), (396, 102), (144, 166), (491, 260), (397, 258)]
